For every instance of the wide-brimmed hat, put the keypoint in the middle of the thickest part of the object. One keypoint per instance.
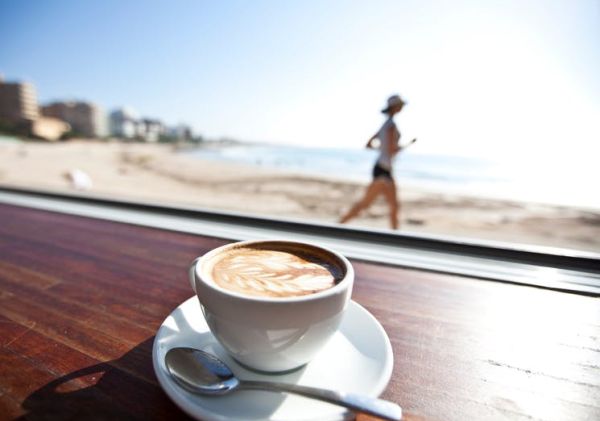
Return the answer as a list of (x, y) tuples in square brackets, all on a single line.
[(393, 101)]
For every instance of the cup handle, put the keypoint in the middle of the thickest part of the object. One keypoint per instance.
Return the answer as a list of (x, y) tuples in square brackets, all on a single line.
[(192, 274)]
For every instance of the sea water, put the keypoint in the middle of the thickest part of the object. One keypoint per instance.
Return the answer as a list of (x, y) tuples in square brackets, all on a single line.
[(535, 181)]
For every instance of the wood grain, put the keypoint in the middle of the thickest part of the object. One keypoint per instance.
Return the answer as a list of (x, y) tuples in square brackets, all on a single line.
[(81, 299)]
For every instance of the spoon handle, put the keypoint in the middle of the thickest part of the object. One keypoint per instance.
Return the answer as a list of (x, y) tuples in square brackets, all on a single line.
[(359, 403)]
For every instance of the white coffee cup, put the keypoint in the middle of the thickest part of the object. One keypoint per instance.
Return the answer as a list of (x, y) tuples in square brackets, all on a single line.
[(271, 334)]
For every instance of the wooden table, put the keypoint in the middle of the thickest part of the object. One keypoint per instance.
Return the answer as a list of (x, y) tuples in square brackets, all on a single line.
[(81, 300)]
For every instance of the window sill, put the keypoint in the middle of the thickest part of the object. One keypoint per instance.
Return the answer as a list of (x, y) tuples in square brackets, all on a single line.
[(565, 270)]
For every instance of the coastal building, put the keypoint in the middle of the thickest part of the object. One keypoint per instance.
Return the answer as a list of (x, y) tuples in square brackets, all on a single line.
[(48, 128), (150, 130), (18, 103), (180, 132), (20, 113), (123, 123), (85, 118)]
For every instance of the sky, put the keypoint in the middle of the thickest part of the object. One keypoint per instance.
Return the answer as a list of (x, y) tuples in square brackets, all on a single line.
[(485, 78)]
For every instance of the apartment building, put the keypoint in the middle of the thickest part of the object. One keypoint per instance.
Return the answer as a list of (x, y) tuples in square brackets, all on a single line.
[(85, 118), (18, 102), (124, 123)]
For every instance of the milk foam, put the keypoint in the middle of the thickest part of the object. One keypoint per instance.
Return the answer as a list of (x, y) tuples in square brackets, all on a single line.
[(274, 272)]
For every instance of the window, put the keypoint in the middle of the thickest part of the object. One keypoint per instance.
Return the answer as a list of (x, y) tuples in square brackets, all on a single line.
[(265, 109)]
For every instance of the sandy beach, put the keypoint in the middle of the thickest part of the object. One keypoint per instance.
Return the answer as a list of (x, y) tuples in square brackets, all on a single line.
[(161, 174)]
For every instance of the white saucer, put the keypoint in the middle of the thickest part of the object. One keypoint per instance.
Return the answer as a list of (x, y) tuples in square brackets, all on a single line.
[(358, 359)]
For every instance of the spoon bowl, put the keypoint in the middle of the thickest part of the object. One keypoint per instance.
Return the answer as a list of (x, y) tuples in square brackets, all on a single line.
[(200, 372)]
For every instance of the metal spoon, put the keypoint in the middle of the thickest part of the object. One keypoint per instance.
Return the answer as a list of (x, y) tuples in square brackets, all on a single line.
[(203, 373)]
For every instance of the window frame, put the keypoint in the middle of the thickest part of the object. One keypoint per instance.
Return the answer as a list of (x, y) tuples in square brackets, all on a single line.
[(553, 268)]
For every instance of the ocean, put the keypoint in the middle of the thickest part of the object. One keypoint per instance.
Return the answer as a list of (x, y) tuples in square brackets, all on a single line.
[(501, 179)]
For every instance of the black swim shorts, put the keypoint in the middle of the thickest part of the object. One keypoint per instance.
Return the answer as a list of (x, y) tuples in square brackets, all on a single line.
[(379, 171)]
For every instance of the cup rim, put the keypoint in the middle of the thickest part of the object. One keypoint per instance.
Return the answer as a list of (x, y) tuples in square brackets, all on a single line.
[(342, 285)]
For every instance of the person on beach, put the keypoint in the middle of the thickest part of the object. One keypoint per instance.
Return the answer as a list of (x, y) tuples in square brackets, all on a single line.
[(383, 181)]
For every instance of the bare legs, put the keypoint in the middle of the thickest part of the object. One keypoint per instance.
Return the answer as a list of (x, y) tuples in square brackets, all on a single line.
[(390, 195), (378, 186)]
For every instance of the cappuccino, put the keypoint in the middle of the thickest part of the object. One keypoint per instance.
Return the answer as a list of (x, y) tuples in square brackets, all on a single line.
[(272, 304), (276, 269)]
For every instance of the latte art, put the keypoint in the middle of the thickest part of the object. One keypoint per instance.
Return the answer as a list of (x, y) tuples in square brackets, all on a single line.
[(274, 272)]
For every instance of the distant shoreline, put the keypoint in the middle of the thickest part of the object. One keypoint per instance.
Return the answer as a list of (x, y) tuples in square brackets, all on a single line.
[(155, 172), (456, 175)]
